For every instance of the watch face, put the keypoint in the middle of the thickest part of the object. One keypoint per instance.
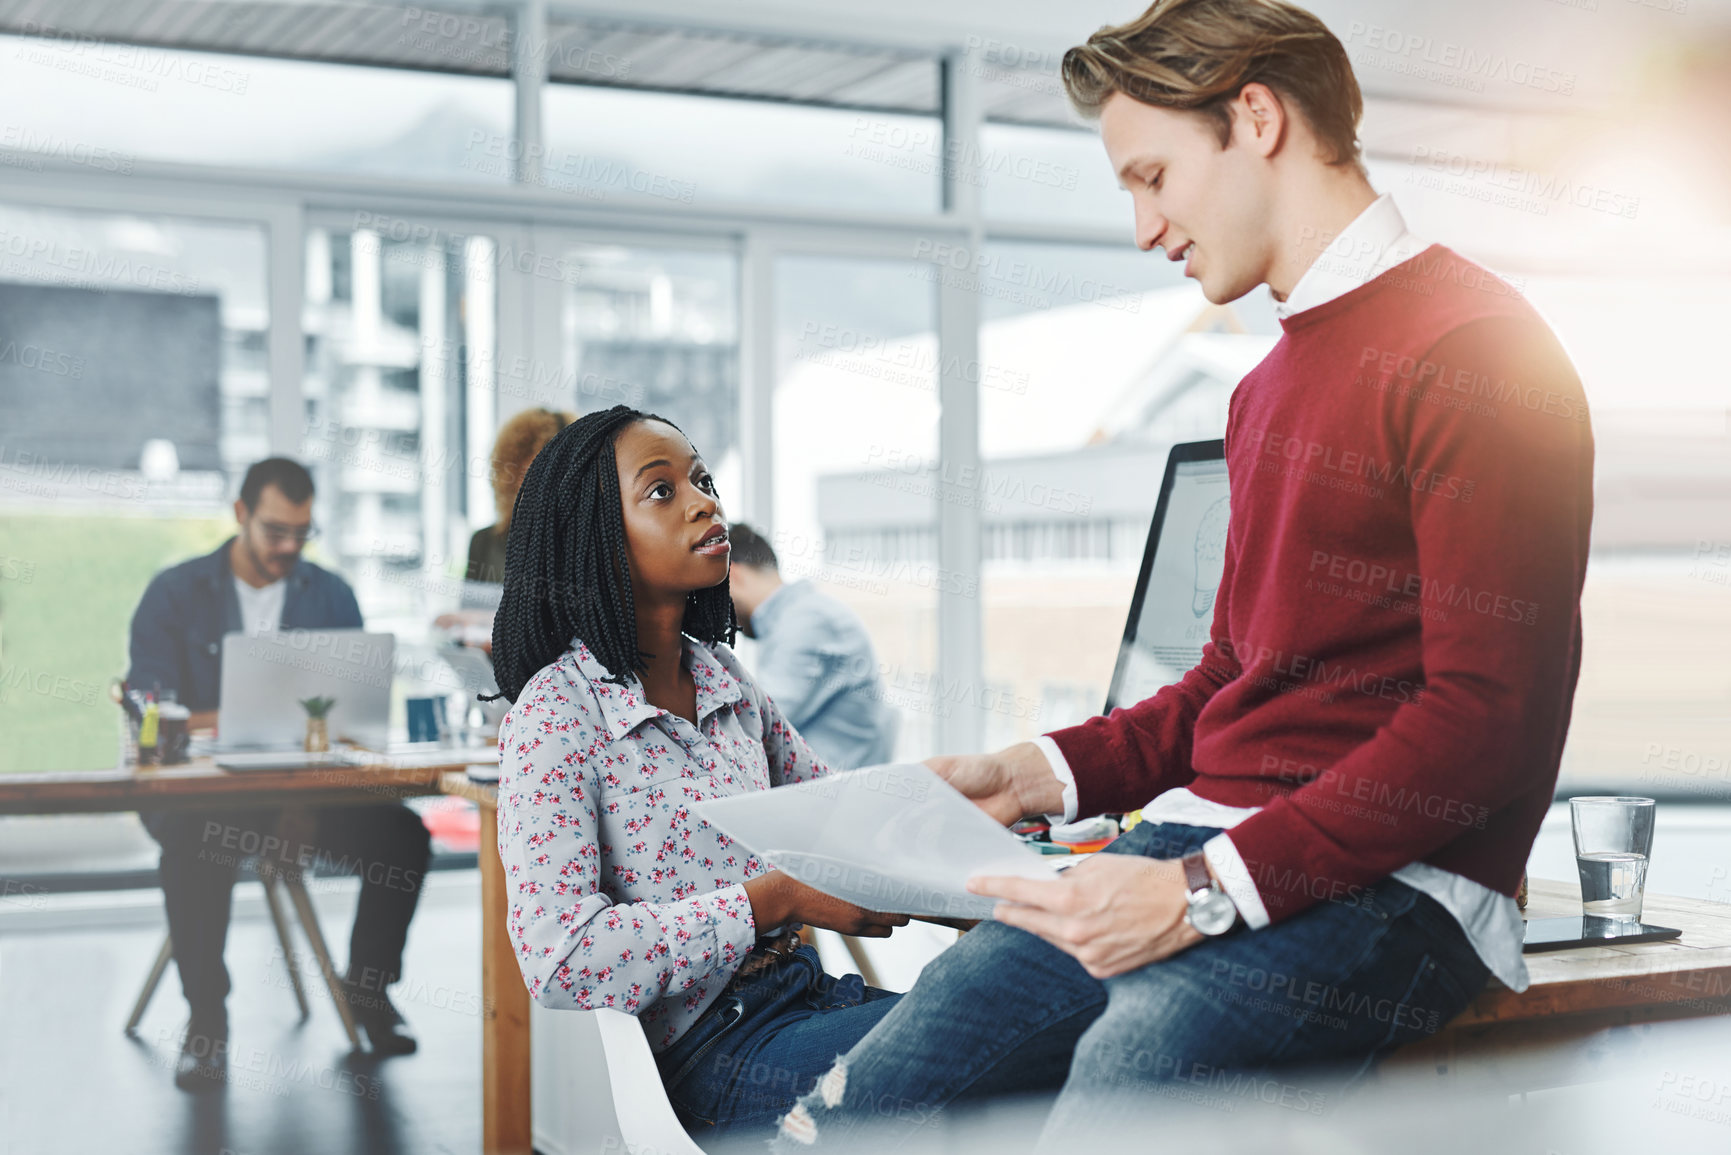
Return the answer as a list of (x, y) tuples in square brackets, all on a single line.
[(1212, 913)]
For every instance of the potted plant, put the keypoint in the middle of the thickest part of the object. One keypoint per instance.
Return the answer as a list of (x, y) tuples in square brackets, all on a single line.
[(318, 734)]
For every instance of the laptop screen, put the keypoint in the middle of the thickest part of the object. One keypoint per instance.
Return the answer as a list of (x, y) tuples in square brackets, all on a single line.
[(1173, 609)]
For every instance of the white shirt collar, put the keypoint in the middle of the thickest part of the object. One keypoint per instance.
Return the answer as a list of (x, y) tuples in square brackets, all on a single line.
[(1376, 241)]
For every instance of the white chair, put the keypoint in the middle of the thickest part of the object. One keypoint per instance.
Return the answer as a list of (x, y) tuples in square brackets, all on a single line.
[(589, 1065), (646, 1118), (594, 1078)]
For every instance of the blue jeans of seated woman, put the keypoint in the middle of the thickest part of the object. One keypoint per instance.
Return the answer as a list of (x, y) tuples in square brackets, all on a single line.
[(764, 1043), (1005, 1012)]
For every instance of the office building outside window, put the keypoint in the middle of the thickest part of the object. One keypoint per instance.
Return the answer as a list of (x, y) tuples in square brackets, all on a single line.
[(400, 374)]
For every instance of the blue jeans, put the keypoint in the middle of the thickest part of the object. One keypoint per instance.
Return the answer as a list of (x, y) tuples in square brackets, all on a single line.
[(764, 1042), (1003, 1012)]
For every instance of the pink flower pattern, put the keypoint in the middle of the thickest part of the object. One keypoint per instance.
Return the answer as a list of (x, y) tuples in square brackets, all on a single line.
[(619, 896)]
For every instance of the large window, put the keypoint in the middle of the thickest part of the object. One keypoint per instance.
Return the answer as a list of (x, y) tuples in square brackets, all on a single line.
[(1094, 363), (134, 390), (1653, 708), (400, 371), (656, 329), (855, 445), (1048, 174)]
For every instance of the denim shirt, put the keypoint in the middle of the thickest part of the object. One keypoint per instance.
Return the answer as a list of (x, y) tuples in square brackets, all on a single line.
[(815, 659), (617, 896), (177, 629)]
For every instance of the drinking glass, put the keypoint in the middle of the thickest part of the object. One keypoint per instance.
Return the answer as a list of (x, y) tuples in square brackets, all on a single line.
[(1613, 838)]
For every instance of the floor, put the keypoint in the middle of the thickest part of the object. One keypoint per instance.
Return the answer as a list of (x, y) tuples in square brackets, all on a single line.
[(71, 1082)]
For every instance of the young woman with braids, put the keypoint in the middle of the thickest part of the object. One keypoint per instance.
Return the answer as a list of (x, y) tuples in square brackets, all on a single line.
[(612, 642)]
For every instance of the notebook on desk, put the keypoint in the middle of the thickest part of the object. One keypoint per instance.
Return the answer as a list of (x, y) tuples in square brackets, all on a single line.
[(256, 760), (412, 756)]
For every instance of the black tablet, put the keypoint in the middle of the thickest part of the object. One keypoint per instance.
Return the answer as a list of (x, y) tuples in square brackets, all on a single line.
[(1590, 930)]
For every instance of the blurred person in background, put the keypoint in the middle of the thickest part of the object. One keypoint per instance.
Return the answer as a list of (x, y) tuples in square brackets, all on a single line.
[(256, 582), (519, 440), (814, 658)]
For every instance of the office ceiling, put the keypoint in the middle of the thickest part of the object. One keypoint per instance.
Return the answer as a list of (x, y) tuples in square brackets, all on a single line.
[(883, 55), (602, 51)]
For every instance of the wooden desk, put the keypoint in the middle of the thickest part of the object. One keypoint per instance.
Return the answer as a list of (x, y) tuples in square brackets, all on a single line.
[(506, 1125), (201, 783), (1576, 993)]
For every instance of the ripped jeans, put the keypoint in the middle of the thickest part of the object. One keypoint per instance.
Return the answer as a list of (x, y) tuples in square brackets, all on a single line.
[(1004, 1013), (764, 1043)]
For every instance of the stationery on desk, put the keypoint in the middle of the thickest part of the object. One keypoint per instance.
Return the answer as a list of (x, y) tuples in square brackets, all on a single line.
[(894, 838)]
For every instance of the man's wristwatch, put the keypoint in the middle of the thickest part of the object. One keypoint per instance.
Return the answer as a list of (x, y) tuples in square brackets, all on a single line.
[(1212, 911)]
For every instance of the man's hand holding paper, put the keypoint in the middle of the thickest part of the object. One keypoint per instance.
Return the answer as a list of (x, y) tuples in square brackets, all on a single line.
[(1112, 913)]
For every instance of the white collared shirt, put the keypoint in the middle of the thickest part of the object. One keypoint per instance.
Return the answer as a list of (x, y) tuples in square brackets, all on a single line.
[(1376, 241)]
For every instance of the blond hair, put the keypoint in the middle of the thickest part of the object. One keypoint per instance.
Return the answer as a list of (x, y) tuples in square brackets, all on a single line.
[(1197, 55), (519, 440)]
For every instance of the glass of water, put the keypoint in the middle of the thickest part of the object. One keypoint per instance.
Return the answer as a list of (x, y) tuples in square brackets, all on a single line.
[(1613, 837)]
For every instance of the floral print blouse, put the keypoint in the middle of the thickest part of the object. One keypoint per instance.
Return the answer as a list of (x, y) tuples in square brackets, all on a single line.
[(617, 895)]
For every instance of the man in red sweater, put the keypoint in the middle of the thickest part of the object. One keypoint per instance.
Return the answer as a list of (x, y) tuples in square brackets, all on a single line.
[(1339, 799)]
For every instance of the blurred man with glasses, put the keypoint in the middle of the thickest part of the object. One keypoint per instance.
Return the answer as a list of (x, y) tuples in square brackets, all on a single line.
[(256, 582)]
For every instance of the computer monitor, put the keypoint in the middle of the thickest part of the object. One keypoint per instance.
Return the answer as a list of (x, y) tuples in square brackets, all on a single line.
[(265, 678), (1173, 609)]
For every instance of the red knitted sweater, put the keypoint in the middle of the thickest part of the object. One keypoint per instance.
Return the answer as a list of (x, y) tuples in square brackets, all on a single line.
[(1397, 635)]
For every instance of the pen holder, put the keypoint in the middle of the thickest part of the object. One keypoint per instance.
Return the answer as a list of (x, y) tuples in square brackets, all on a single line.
[(128, 741), (172, 736)]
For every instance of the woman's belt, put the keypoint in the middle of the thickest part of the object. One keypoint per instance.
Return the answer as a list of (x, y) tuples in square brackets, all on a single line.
[(769, 952)]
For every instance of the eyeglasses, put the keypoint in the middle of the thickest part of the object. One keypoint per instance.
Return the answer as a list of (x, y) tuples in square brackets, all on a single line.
[(284, 533)]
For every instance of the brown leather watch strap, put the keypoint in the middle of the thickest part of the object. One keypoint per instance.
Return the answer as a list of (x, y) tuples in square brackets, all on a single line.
[(1196, 876)]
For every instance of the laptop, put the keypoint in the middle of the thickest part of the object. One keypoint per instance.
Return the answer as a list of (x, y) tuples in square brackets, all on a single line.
[(265, 678), (1173, 610)]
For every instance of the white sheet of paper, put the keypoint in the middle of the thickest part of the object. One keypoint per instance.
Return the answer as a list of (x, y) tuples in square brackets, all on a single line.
[(894, 838)]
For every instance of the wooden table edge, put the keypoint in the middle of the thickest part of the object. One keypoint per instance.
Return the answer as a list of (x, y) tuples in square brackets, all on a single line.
[(507, 1118)]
